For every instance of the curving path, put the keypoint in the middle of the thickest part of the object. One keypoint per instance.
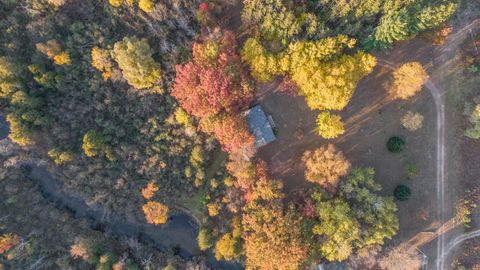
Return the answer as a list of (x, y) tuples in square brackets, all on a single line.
[(456, 241), (454, 41), (440, 159)]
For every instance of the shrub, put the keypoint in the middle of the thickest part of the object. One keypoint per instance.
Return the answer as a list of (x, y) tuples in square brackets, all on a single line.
[(395, 144), (474, 119), (411, 171), (412, 120), (402, 193)]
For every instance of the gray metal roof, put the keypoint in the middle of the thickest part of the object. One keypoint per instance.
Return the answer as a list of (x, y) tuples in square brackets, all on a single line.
[(259, 126)]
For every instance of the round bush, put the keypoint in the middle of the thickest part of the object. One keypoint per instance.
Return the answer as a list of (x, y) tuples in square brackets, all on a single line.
[(395, 144), (402, 193)]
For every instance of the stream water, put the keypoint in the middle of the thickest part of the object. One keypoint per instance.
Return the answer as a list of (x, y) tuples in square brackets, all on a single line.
[(179, 233)]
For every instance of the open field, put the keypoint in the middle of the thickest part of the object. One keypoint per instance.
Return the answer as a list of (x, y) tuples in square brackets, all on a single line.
[(370, 120)]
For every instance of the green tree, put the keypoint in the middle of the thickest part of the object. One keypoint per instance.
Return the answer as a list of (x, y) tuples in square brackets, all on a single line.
[(393, 26), (9, 82), (376, 214), (93, 143), (339, 227), (134, 57), (272, 19), (402, 193), (329, 125), (263, 65), (433, 16), (395, 144)]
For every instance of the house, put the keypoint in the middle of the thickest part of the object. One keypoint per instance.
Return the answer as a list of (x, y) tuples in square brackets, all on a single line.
[(260, 126)]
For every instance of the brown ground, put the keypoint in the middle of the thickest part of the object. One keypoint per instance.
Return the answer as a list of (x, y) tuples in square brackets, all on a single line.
[(370, 120)]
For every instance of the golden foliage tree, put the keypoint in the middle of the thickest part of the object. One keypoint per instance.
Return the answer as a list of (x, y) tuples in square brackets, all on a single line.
[(53, 50), (62, 58), (134, 57), (273, 238), (93, 143), (83, 248), (60, 157), (102, 61), (326, 78), (227, 247), (329, 125), (339, 228), (213, 208), (325, 166), (155, 212), (330, 85), (146, 5), (19, 132), (407, 81), (401, 257)]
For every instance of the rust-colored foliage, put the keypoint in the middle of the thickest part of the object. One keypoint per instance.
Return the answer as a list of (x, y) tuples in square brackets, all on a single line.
[(214, 80), (149, 190), (273, 238), (305, 205), (8, 241), (155, 212), (230, 130)]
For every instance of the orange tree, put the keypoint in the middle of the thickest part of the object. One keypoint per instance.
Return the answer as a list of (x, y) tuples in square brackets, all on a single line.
[(155, 212)]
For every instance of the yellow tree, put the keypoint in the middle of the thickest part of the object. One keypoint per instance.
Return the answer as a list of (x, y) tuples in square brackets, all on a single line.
[(146, 5), (407, 81), (227, 247), (134, 57), (53, 50), (325, 166), (155, 212), (329, 125), (325, 77), (102, 61)]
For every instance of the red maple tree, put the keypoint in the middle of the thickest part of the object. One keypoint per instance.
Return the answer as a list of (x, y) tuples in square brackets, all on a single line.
[(214, 80)]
